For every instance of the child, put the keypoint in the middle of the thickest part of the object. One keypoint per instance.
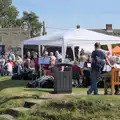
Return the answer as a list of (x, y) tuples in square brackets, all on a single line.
[(9, 68)]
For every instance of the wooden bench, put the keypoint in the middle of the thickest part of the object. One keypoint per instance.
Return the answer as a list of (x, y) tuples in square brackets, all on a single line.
[(114, 80)]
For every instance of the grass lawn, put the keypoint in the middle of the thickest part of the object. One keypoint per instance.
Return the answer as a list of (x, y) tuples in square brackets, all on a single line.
[(13, 93), (77, 106), (3, 119)]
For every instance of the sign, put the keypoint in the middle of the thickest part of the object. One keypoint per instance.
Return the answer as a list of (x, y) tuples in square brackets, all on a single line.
[(81, 64), (89, 65), (44, 60)]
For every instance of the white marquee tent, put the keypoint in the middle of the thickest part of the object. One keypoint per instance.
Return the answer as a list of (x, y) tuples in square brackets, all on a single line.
[(76, 37)]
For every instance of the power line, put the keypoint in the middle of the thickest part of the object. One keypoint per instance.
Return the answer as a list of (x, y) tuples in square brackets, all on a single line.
[(57, 28)]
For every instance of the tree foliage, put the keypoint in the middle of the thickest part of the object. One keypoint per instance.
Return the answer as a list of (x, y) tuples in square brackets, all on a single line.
[(4, 5), (9, 18), (8, 14), (32, 21)]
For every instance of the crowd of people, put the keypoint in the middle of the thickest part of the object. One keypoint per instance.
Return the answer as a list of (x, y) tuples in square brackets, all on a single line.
[(92, 67), (11, 63), (85, 70), (101, 63)]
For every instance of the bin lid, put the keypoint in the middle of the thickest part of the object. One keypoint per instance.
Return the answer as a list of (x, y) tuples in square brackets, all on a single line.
[(63, 64)]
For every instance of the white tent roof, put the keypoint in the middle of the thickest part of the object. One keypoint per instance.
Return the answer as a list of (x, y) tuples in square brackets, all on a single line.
[(76, 37)]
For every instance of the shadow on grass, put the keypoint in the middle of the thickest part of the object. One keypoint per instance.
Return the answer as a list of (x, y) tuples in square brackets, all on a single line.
[(41, 90), (6, 99), (12, 83)]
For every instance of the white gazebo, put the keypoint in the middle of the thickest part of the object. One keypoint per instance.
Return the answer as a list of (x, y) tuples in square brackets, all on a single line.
[(71, 38)]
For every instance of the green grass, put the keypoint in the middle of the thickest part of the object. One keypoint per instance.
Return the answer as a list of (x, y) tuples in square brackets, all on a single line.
[(10, 87), (13, 93), (77, 106), (3, 119)]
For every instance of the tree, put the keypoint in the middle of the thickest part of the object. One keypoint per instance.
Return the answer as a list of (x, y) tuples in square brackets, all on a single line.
[(10, 17), (4, 5), (31, 19), (18, 22)]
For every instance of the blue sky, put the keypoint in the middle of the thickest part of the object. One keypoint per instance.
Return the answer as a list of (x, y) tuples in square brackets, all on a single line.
[(67, 13)]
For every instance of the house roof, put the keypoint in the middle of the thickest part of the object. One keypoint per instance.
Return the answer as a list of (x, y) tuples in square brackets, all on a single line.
[(115, 32)]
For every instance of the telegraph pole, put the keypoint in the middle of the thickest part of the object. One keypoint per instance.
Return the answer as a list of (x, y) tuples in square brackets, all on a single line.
[(44, 29), (40, 49), (44, 33)]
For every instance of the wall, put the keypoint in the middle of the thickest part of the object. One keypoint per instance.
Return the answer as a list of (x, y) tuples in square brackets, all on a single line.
[(13, 37)]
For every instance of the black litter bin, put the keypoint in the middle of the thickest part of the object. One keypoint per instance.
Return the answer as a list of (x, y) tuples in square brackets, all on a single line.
[(63, 78)]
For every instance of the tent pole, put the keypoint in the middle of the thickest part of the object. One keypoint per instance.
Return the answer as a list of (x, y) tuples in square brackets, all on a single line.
[(79, 53), (39, 50), (110, 49), (63, 51), (73, 49)]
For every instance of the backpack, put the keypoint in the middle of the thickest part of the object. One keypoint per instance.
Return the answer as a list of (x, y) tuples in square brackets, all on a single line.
[(99, 63), (16, 76)]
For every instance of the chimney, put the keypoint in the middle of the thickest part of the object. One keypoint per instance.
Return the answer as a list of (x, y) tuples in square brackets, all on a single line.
[(78, 26), (109, 28)]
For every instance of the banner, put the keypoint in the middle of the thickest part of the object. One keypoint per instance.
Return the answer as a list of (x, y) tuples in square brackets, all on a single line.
[(44, 60)]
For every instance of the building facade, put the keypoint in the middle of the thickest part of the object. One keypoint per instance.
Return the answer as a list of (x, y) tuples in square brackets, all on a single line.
[(12, 38)]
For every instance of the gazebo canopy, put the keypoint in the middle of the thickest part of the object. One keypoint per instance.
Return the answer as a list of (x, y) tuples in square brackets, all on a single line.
[(116, 50), (76, 37), (73, 37)]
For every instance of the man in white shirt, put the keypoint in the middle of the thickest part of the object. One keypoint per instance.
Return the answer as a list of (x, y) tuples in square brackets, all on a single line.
[(58, 56)]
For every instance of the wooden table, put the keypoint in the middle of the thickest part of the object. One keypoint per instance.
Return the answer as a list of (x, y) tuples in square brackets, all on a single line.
[(114, 79)]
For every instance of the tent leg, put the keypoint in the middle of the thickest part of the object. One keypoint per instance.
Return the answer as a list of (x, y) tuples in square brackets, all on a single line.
[(73, 49), (110, 49), (63, 52), (78, 53), (39, 50)]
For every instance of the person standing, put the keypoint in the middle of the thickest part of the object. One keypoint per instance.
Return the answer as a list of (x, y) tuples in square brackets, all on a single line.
[(37, 67), (2, 63), (12, 55), (9, 68), (98, 62), (52, 58), (28, 55), (76, 72), (58, 57)]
